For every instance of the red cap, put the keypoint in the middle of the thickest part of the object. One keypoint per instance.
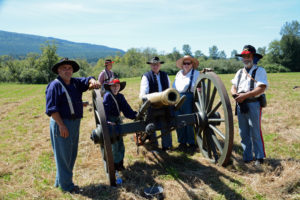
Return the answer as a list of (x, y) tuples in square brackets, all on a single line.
[(115, 81), (245, 52)]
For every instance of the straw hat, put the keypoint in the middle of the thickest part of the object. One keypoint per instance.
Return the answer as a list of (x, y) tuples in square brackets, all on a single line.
[(195, 62)]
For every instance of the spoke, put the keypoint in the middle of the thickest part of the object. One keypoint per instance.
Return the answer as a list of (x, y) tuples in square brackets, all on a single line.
[(198, 106), (217, 131), (200, 101), (207, 94), (207, 141), (199, 131), (203, 94), (216, 120), (211, 101), (212, 144), (215, 109), (216, 141)]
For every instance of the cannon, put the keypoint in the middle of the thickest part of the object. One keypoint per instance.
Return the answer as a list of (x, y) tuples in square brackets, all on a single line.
[(212, 120)]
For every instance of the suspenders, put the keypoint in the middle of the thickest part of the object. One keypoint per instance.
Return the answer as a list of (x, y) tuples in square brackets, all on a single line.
[(115, 101), (69, 99), (191, 80), (252, 79)]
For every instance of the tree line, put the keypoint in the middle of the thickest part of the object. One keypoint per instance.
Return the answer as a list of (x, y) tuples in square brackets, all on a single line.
[(280, 56)]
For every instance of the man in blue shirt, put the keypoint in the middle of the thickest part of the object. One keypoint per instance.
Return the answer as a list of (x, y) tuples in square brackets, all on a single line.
[(64, 106)]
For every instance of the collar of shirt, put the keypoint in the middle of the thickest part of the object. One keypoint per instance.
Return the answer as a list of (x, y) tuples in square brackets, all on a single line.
[(251, 69), (188, 74)]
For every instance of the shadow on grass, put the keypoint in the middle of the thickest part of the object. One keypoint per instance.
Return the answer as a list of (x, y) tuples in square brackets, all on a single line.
[(238, 165), (191, 172), (95, 191), (188, 173)]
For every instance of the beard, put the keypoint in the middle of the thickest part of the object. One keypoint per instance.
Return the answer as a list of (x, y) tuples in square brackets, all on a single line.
[(248, 63)]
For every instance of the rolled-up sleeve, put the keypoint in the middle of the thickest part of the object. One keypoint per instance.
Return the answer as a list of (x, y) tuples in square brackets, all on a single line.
[(51, 100), (261, 77)]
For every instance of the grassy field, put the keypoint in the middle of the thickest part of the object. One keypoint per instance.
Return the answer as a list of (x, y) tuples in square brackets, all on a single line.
[(27, 167)]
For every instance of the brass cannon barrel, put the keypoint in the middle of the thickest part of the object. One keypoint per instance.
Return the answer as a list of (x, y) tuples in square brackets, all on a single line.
[(168, 97)]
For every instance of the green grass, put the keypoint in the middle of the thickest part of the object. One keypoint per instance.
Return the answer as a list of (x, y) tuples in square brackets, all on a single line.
[(27, 166)]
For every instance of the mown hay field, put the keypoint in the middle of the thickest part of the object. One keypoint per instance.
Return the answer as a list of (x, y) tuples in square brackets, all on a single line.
[(27, 166)]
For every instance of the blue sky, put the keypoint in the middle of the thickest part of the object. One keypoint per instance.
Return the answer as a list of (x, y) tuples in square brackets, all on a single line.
[(159, 24)]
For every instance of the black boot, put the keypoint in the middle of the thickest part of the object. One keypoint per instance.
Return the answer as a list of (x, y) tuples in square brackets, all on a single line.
[(121, 165), (116, 166)]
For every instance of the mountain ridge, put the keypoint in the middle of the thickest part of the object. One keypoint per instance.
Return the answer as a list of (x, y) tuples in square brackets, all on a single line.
[(18, 45)]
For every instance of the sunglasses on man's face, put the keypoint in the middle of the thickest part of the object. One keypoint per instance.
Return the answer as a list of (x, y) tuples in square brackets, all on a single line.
[(186, 63), (246, 56)]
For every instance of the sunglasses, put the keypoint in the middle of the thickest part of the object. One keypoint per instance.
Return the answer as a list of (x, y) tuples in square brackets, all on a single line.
[(246, 56), (185, 63)]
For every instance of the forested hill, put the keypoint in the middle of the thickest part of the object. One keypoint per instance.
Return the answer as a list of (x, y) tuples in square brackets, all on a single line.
[(19, 45)]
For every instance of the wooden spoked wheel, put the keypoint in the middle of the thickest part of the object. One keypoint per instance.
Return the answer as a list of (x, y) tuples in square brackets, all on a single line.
[(214, 130), (105, 145)]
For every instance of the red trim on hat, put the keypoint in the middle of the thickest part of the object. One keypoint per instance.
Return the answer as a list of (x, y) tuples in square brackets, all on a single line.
[(109, 62), (115, 81), (245, 52)]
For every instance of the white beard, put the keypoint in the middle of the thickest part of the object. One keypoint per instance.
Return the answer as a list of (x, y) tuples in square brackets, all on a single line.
[(248, 64)]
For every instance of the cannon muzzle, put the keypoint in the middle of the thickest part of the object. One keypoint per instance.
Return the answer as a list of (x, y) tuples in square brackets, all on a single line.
[(168, 97)]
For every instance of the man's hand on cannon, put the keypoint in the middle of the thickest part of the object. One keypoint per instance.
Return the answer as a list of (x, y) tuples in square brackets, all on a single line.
[(93, 84)]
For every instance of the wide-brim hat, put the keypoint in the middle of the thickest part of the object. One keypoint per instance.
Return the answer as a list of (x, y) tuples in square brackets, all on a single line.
[(155, 60), (249, 49), (66, 61), (108, 61), (195, 62), (115, 81)]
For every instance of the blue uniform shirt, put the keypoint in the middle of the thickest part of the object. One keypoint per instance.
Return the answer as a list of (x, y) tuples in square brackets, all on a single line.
[(111, 108), (56, 99)]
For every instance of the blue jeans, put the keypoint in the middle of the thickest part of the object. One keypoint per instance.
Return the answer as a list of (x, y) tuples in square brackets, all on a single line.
[(186, 135), (118, 150), (166, 140), (65, 152), (250, 132)]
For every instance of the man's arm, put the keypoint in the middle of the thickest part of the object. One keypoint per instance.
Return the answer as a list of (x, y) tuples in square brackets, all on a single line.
[(242, 96), (93, 84), (62, 127), (170, 85), (101, 77), (144, 87), (233, 90)]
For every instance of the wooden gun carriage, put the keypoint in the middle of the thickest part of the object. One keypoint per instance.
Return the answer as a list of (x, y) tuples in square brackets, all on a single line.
[(212, 120)]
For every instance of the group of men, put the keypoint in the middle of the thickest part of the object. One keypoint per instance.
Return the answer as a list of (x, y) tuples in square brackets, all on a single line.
[(65, 108)]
